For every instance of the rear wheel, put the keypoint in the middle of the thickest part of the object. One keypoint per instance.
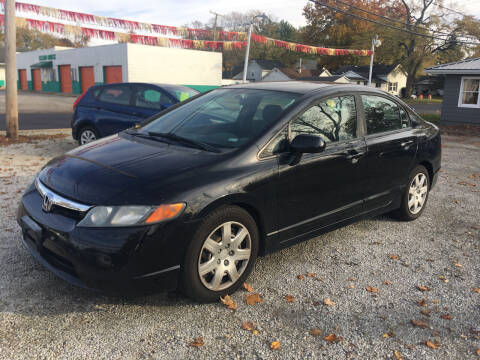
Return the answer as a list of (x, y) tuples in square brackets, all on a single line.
[(87, 135), (415, 195), (221, 254)]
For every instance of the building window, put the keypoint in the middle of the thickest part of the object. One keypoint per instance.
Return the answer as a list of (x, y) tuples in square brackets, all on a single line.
[(378, 84), (469, 92), (392, 87)]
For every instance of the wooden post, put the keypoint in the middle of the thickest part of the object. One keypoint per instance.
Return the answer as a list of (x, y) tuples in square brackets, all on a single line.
[(11, 70)]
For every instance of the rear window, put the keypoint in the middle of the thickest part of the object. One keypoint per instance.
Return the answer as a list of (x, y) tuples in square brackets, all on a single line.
[(119, 94), (180, 93)]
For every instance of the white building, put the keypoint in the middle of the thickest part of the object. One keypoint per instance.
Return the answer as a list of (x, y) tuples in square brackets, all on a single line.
[(74, 70)]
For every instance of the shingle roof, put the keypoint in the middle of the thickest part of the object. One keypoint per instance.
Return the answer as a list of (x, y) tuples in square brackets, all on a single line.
[(269, 64), (378, 70), (467, 66)]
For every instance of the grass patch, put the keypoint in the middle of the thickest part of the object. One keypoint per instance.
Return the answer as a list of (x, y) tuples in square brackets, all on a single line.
[(434, 118), (435, 100)]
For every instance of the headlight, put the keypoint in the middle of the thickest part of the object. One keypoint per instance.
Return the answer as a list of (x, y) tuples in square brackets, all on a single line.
[(111, 216)]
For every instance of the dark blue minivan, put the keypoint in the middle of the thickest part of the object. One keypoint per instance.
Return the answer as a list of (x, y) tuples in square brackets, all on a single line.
[(104, 110)]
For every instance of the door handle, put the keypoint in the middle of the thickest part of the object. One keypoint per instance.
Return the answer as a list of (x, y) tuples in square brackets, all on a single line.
[(354, 155), (406, 144)]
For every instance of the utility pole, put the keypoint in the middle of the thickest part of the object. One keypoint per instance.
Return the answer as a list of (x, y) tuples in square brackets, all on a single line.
[(11, 70), (215, 24), (247, 50), (375, 43)]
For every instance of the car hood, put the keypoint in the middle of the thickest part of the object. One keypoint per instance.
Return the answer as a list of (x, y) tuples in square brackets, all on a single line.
[(121, 170)]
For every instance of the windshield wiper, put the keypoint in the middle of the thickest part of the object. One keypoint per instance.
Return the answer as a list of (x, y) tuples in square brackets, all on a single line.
[(198, 144)]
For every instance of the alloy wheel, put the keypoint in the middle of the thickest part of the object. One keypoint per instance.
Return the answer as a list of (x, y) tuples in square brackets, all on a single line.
[(87, 136), (417, 193), (224, 256)]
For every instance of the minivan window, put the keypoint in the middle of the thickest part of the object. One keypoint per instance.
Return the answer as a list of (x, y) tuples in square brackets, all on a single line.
[(334, 119), (226, 118), (382, 115), (119, 94)]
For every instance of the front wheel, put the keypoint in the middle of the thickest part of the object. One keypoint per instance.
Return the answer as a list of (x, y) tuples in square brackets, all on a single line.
[(221, 255), (415, 195)]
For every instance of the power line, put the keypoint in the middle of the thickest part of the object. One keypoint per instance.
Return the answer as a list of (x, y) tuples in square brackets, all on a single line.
[(449, 9), (388, 25), (389, 19)]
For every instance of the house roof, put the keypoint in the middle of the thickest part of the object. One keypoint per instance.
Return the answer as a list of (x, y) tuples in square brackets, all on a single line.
[(378, 70), (321, 78), (467, 66)]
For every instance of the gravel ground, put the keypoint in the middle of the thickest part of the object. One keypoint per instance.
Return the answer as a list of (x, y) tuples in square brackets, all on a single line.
[(43, 317)]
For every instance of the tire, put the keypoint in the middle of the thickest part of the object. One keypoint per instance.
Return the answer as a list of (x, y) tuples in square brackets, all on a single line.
[(415, 195), (222, 258), (86, 133)]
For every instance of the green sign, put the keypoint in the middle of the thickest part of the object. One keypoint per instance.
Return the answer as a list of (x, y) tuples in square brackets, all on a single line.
[(47, 57)]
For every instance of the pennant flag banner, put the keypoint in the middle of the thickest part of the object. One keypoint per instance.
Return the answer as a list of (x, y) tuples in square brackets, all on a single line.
[(191, 38)]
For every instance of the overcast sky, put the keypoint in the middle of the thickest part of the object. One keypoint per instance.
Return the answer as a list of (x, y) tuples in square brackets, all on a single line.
[(181, 12)]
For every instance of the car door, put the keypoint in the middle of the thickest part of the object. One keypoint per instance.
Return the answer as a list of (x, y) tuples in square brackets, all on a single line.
[(391, 148), (149, 100), (321, 189), (114, 109)]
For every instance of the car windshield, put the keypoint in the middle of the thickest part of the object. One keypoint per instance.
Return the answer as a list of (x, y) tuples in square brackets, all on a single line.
[(181, 93), (226, 118)]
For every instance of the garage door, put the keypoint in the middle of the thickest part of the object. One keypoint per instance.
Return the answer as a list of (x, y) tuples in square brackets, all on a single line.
[(113, 74), (37, 80), (22, 74), (65, 79), (87, 77)]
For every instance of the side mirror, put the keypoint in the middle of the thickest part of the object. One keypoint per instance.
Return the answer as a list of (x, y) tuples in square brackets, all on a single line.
[(305, 143)]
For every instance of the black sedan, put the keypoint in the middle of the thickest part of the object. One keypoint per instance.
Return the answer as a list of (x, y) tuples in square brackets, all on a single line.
[(191, 197)]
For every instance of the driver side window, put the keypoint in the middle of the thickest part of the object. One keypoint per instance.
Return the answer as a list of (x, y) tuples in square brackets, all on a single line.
[(334, 119), (150, 98)]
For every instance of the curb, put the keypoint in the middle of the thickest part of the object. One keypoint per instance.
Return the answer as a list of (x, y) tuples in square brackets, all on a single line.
[(40, 132)]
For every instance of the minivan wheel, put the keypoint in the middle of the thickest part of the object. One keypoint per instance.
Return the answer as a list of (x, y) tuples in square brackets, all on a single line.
[(221, 254), (415, 195), (87, 135)]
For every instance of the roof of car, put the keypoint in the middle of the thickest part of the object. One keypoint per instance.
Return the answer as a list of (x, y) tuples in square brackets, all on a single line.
[(300, 87)]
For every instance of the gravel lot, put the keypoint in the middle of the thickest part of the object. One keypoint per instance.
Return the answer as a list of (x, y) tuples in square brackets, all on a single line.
[(43, 317)]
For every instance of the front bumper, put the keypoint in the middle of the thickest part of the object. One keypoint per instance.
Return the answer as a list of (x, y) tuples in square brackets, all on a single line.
[(118, 260)]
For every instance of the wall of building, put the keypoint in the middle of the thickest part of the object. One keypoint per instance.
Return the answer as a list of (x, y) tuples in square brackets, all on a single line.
[(451, 112), (174, 66), (275, 75), (399, 77), (96, 56), (202, 70)]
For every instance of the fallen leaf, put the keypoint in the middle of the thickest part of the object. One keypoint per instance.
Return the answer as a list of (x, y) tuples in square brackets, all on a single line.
[(478, 352), (447, 317), (394, 257), (419, 323), (316, 303), (443, 278), (300, 277), (398, 356), (351, 286), (386, 282), (425, 312), (423, 288), (457, 265), (289, 298), (311, 274), (389, 334), (250, 326), (228, 302), (247, 287), (252, 299), (477, 290), (372, 289), (275, 345), (198, 342), (435, 301), (255, 332), (331, 338), (328, 302), (316, 332), (432, 345)]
